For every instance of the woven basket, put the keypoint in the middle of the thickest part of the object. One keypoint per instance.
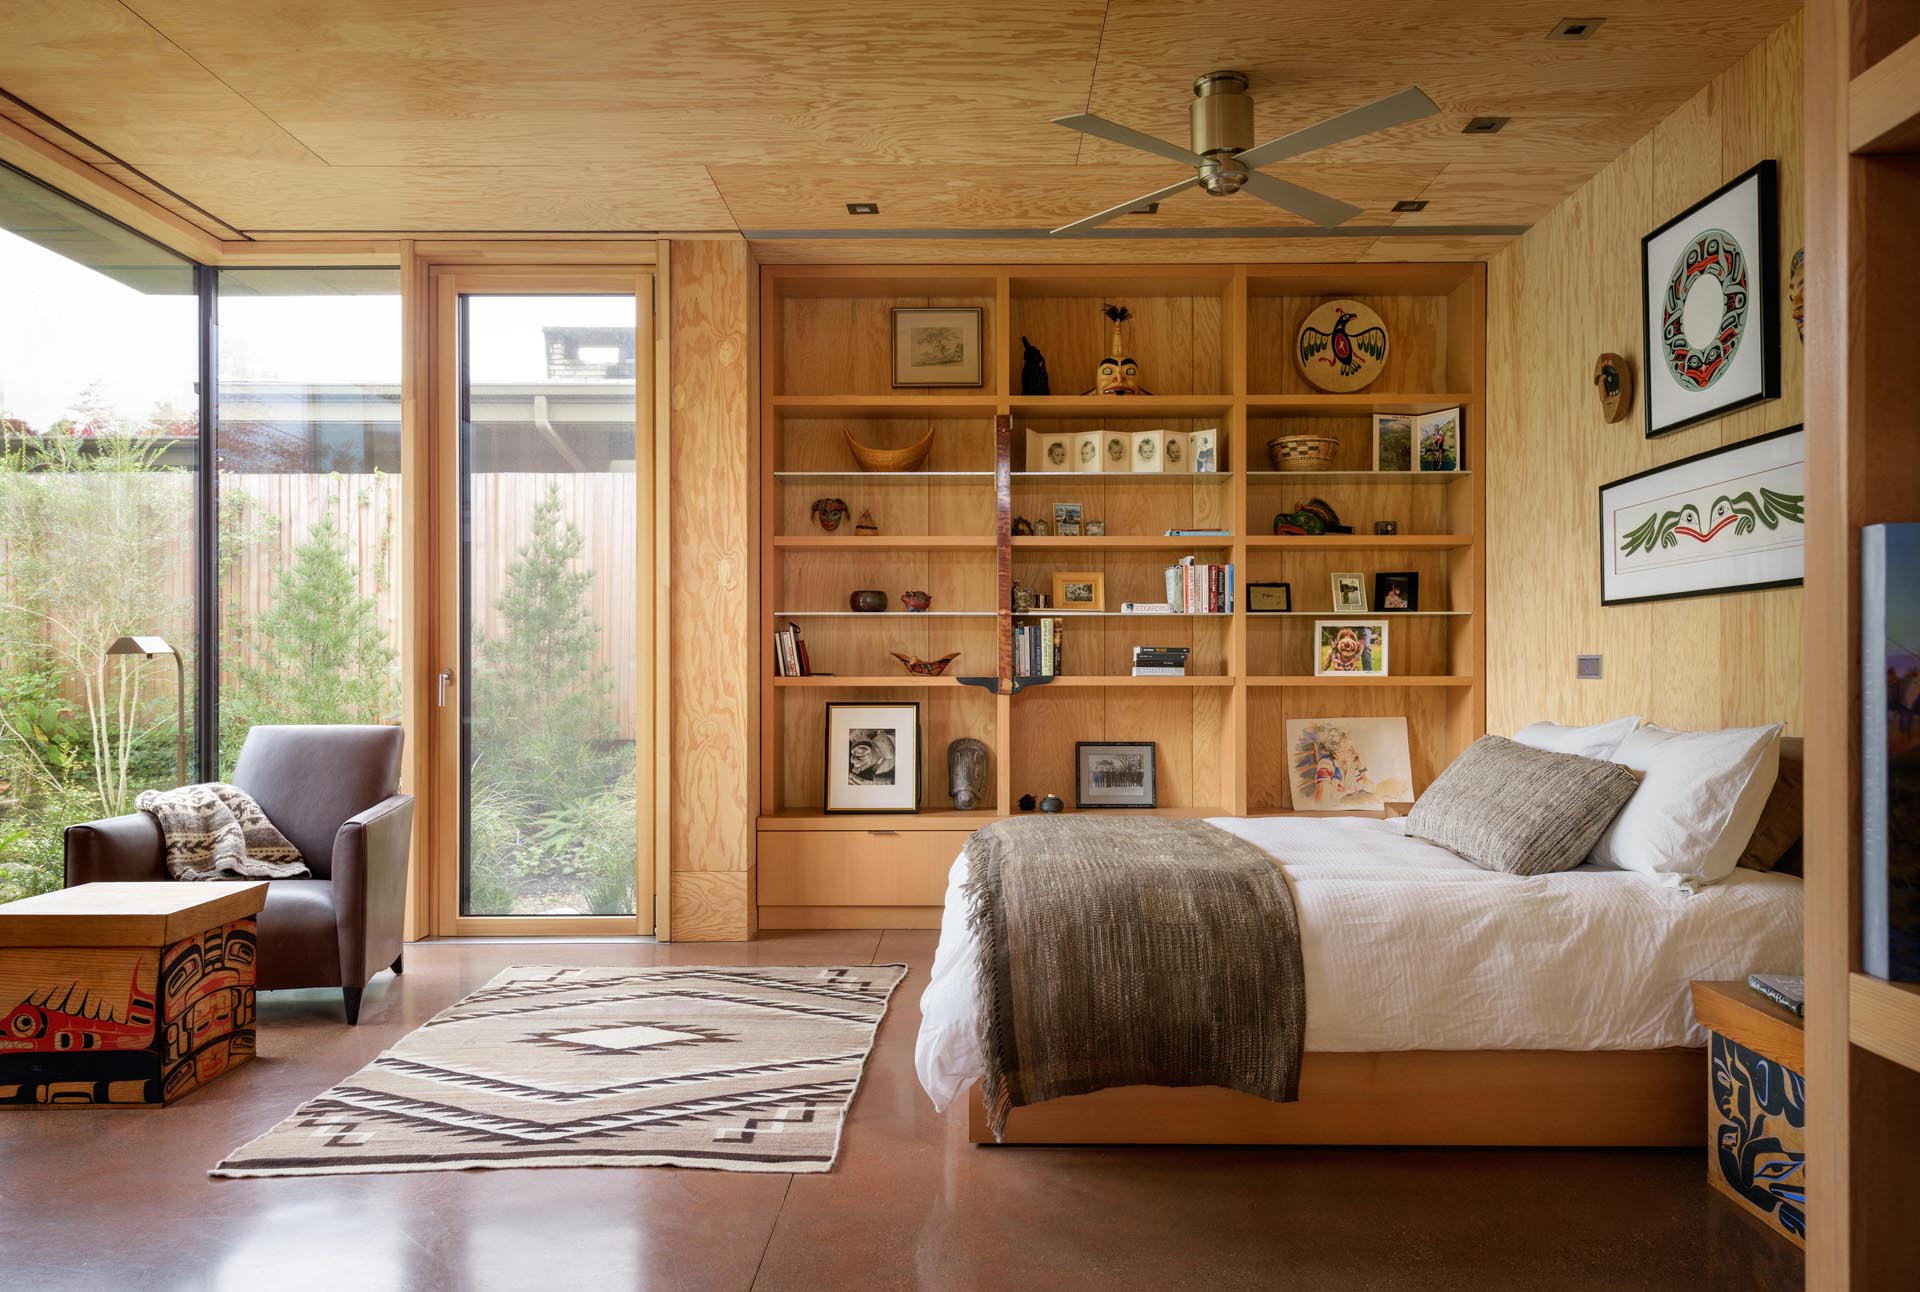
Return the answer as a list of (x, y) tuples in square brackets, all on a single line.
[(1302, 452), (911, 458)]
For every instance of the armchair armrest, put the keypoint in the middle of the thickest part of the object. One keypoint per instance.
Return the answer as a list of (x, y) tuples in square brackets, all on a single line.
[(370, 887), (117, 848)]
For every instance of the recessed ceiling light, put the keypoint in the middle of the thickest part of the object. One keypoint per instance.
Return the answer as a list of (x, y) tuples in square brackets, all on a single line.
[(1485, 126), (1410, 205), (1575, 28), (863, 208)]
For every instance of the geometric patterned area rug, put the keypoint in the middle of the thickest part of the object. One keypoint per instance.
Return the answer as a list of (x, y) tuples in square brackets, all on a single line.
[(743, 1068)]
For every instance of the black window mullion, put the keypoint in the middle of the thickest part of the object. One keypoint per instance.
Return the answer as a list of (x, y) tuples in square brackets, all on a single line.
[(207, 531)]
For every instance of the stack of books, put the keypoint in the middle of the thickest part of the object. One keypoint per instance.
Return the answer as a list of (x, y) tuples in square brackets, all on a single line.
[(1160, 661), (1036, 647), (1194, 588), (790, 653)]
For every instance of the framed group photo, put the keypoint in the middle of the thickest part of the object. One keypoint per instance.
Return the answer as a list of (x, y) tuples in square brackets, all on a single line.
[(1114, 774)]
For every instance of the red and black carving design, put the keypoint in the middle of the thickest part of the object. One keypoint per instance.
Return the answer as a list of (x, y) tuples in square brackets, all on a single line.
[(206, 988), (56, 1021)]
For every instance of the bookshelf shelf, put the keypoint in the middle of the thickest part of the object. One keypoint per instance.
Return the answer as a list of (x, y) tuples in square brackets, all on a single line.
[(1883, 104), (1885, 1017), (1257, 615), (1219, 334)]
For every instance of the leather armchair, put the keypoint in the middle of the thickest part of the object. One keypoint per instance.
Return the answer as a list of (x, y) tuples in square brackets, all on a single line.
[(331, 791)]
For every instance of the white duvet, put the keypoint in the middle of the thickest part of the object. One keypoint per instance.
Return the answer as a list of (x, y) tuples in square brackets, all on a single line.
[(1409, 947)]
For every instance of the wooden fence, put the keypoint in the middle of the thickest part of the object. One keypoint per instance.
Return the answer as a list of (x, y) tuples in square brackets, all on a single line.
[(275, 514)]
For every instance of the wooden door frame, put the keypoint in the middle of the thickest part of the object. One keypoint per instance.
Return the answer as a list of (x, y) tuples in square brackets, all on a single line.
[(437, 564)]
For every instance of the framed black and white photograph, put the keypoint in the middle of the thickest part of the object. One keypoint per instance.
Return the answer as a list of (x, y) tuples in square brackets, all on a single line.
[(1114, 774), (937, 347), (1711, 304), (873, 758), (1349, 593), (1727, 520)]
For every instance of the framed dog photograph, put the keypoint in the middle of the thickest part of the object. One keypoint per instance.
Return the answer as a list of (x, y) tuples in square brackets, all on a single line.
[(1114, 774), (873, 758), (1350, 648)]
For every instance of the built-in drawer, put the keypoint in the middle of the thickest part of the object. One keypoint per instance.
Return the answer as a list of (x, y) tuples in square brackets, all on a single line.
[(866, 878)]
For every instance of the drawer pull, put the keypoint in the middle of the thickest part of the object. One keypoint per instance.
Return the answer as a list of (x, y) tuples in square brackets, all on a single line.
[(883, 834)]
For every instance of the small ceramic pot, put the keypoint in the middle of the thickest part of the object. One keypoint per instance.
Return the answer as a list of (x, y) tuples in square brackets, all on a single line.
[(868, 601), (916, 601), (1052, 803)]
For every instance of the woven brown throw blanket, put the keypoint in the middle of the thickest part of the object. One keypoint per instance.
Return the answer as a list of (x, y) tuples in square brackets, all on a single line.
[(1145, 951)]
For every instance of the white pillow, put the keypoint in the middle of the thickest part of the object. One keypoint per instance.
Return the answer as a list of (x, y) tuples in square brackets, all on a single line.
[(1598, 741), (1699, 800)]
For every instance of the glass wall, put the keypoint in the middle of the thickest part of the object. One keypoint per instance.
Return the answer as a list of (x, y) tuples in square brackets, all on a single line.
[(99, 455), (308, 446)]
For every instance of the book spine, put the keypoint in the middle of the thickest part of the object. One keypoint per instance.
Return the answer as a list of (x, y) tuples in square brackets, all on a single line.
[(1047, 632), (779, 658), (1778, 997), (800, 649), (1875, 931), (1173, 589)]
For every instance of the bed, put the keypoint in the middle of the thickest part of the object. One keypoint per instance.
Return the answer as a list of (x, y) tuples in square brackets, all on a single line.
[(1446, 1004)]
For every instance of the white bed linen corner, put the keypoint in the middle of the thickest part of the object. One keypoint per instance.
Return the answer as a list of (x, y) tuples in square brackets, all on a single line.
[(1409, 947)]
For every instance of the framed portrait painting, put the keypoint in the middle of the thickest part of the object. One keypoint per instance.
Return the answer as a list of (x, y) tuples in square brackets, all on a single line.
[(1731, 519), (873, 758), (1711, 304)]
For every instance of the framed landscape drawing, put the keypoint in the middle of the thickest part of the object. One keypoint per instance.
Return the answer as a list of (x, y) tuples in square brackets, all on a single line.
[(937, 347), (1348, 764), (873, 758), (1727, 520), (1710, 304)]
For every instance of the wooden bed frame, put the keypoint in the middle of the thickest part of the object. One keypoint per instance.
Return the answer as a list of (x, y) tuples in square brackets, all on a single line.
[(1534, 1098)]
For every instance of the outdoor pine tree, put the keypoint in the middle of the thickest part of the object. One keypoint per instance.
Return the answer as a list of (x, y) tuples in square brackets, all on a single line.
[(319, 652)]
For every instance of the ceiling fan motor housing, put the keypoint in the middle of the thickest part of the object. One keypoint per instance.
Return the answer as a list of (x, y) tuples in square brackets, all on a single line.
[(1222, 115)]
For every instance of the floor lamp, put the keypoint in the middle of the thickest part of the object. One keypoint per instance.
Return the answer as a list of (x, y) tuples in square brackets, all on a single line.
[(149, 647)]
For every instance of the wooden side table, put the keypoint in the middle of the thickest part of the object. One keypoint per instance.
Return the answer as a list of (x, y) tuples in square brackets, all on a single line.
[(125, 993), (1756, 1104)]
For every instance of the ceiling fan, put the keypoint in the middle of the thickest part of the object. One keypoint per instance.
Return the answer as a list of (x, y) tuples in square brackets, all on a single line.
[(1225, 160)]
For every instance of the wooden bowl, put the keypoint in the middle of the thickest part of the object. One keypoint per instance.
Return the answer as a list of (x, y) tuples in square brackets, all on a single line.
[(925, 667), (1303, 452), (911, 458)]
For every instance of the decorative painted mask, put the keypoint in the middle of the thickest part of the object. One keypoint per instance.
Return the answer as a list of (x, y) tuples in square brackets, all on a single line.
[(1119, 377), (828, 513), (1797, 291), (1613, 382)]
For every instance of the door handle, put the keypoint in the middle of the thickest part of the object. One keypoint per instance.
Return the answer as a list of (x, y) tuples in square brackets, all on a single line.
[(440, 691)]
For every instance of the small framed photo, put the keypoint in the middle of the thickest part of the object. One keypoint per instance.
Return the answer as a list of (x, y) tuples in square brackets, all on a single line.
[(1393, 442), (1086, 451), (1042, 529), (1114, 774), (1396, 590), (1388, 528), (1067, 529), (1080, 591), (1269, 598), (1438, 441), (1175, 457), (1064, 514), (938, 347), (1096, 529), (873, 758), (1203, 450), (1149, 451), (1349, 594), (1350, 648), (1049, 452), (1116, 451)]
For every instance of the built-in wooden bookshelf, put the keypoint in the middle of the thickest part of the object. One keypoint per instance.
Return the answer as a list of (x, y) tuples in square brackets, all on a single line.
[(1214, 344), (1863, 468)]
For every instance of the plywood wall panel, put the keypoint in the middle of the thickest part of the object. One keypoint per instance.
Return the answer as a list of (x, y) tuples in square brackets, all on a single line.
[(713, 631), (1558, 297)]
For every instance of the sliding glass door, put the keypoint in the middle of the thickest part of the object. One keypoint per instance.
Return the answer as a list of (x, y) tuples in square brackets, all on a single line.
[(543, 700)]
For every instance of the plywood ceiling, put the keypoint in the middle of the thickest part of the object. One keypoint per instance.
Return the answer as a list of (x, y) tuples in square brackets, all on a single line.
[(276, 118)]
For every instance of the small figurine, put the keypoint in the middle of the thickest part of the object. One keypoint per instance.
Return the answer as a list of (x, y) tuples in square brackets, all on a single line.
[(916, 601), (1033, 370), (1022, 526), (1023, 599), (925, 667), (828, 513), (1613, 381), (1118, 374), (1026, 802), (865, 526), (966, 772), (1052, 803)]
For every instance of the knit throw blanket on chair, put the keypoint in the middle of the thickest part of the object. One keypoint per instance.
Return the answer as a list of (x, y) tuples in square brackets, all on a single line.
[(217, 831)]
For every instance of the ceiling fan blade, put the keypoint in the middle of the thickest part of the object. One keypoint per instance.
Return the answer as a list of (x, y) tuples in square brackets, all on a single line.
[(1318, 207), (1132, 204), (1395, 110), (1112, 131)]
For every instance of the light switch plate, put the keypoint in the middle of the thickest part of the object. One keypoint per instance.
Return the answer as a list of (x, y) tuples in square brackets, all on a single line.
[(1586, 667)]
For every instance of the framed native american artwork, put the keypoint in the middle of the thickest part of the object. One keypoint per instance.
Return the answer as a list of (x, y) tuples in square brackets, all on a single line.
[(1711, 304), (1727, 520), (873, 758), (1348, 764), (1342, 346)]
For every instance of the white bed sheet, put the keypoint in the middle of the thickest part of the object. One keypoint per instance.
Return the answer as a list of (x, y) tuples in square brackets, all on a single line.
[(1409, 947)]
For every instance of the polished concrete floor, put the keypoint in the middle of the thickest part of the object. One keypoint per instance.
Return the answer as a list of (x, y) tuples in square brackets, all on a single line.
[(110, 1199)]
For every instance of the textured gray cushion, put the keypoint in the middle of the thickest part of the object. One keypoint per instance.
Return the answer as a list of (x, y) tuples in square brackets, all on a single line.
[(1507, 806)]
